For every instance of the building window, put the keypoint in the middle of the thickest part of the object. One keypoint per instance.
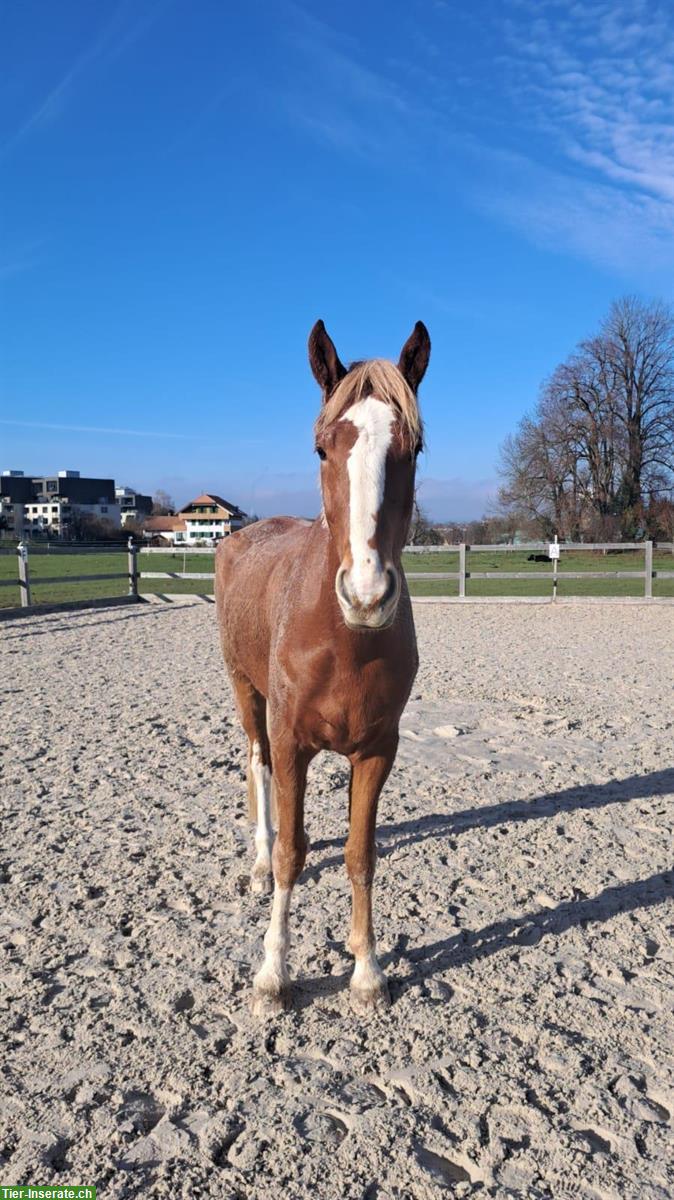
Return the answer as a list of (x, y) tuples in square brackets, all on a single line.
[(104, 508)]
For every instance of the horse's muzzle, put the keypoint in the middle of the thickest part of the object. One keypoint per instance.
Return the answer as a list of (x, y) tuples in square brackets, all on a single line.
[(370, 607)]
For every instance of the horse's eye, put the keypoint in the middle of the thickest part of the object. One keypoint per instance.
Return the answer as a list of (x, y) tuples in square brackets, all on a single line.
[(321, 453)]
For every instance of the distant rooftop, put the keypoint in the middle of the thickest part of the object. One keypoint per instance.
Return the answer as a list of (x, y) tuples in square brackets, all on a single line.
[(61, 474), (211, 498)]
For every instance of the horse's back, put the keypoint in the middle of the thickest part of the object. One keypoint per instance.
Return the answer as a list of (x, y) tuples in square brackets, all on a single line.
[(251, 567)]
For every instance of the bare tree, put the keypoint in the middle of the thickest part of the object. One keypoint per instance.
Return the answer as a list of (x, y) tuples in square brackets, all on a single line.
[(88, 527), (599, 447), (421, 532), (162, 504), (451, 533), (639, 341), (536, 469)]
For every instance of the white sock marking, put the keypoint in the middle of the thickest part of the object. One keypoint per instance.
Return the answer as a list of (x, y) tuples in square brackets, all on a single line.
[(273, 974), (367, 974), (264, 834)]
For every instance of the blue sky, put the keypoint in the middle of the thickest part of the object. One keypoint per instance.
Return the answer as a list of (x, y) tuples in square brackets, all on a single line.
[(187, 187)]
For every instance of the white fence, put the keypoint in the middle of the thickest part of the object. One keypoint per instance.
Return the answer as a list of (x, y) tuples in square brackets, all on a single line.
[(553, 574), (22, 579)]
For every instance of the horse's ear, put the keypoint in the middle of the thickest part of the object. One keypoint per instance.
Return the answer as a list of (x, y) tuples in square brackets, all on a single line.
[(324, 359), (414, 356)]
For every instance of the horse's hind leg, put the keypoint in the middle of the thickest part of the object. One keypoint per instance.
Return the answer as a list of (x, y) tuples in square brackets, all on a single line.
[(252, 708), (368, 776)]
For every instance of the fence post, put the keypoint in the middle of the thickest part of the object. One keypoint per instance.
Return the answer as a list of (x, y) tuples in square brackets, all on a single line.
[(133, 569), (462, 570), (648, 570), (24, 575)]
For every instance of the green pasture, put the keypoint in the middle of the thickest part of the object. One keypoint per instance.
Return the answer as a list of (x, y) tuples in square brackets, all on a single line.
[(518, 560), (45, 566)]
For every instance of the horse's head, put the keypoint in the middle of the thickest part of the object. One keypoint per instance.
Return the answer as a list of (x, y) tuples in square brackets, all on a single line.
[(368, 436)]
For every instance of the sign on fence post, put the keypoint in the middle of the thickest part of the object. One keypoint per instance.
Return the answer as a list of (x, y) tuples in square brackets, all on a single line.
[(648, 570), (553, 554), (24, 575), (133, 569)]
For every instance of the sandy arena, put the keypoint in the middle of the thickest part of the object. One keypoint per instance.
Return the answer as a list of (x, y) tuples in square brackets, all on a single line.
[(523, 909)]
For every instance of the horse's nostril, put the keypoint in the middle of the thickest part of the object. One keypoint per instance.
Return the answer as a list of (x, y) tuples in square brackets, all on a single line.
[(342, 588), (391, 587)]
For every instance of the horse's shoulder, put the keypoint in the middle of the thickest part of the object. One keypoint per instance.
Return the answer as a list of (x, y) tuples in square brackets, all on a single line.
[(264, 541)]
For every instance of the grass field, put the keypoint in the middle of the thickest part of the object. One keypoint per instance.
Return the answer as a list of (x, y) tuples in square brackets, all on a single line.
[(46, 566), (518, 560)]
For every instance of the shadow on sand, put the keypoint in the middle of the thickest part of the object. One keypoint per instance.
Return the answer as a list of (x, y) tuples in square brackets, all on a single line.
[(413, 964), (437, 825), (466, 946), (417, 962), (130, 614)]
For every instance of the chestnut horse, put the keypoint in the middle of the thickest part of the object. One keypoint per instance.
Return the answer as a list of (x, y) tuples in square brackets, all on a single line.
[(318, 638)]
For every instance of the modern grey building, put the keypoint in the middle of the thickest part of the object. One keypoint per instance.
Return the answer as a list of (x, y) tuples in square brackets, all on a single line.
[(133, 505), (40, 503)]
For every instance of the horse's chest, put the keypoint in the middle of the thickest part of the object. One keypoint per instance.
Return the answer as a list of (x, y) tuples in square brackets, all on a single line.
[(352, 709)]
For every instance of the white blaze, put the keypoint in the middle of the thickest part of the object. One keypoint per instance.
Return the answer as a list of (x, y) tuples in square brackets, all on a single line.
[(366, 466)]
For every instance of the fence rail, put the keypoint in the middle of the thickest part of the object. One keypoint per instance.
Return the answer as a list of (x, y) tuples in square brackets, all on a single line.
[(555, 576), (177, 575), (24, 582)]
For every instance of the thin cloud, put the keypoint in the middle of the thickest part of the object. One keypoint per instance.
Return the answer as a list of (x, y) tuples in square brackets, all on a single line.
[(25, 258), (146, 433), (340, 100), (596, 82), (573, 147), (456, 499), (112, 40)]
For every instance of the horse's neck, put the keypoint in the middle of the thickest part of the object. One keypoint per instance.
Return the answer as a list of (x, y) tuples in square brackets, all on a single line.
[(321, 555), (310, 582), (316, 596)]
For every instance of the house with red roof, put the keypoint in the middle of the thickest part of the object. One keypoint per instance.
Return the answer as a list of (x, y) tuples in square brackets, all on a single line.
[(203, 521)]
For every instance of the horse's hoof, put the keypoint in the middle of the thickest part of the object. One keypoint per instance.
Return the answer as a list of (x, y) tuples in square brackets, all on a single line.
[(261, 881), (268, 1002), (371, 999)]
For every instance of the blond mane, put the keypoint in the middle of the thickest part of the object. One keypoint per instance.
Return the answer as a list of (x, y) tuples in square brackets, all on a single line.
[(376, 377)]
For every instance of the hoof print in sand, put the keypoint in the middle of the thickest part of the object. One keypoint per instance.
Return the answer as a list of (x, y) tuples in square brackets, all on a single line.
[(322, 1127), (443, 1169)]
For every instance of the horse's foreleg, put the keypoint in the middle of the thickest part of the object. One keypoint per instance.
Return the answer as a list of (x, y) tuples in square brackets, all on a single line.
[(260, 878), (272, 982), (368, 776)]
